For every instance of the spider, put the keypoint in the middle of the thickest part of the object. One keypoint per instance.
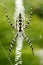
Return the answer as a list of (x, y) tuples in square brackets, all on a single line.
[(19, 27)]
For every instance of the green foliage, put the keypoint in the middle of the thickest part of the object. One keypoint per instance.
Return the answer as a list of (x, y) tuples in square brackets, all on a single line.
[(39, 10)]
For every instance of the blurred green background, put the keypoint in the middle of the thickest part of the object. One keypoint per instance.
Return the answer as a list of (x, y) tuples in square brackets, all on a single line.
[(34, 32)]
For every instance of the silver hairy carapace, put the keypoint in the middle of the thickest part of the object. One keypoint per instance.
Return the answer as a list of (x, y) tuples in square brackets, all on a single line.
[(19, 26)]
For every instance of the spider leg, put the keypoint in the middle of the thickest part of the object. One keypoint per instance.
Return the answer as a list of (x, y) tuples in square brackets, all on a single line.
[(12, 43), (8, 18), (29, 19), (29, 42)]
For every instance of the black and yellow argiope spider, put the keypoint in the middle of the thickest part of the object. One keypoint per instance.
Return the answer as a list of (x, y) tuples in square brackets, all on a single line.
[(20, 28)]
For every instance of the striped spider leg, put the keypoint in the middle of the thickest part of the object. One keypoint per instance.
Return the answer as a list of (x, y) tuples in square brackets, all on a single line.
[(12, 43), (9, 21), (29, 42), (29, 19)]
